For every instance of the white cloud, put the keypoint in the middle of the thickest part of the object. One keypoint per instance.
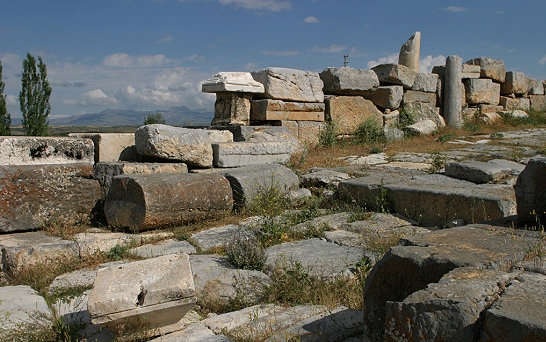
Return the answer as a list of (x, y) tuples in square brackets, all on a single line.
[(330, 49), (455, 9), (166, 39), (311, 20), (268, 5), (284, 53), (95, 97), (123, 60), (392, 58), (542, 61), (426, 64)]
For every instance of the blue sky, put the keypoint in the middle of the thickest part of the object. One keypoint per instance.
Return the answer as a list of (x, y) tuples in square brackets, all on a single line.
[(154, 54)]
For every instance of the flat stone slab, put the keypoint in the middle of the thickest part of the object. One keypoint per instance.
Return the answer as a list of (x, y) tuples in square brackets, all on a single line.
[(110, 146), (237, 154), (290, 84), (323, 177), (316, 256), (240, 82), (196, 332), (45, 150), (430, 199), (493, 171), (164, 247), (21, 305), (149, 293), (395, 74), (101, 242), (348, 81), (215, 237), (269, 110)]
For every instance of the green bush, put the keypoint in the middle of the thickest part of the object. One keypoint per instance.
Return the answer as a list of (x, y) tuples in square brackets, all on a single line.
[(328, 135), (154, 118), (370, 131)]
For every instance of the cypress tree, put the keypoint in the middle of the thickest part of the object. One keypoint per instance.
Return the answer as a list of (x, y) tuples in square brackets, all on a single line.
[(34, 97)]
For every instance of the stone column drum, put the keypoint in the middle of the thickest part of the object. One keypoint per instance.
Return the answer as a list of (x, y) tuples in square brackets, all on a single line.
[(452, 91)]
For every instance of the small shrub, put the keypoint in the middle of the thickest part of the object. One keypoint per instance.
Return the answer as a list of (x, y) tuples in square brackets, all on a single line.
[(269, 201), (407, 117), (370, 131), (118, 252), (376, 150), (496, 135), (437, 163), (244, 251), (328, 135)]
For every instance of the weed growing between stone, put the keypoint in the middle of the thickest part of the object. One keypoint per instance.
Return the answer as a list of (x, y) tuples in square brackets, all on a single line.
[(370, 131), (438, 162), (244, 251), (64, 228), (328, 135)]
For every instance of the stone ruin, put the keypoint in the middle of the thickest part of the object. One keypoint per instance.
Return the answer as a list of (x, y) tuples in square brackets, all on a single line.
[(163, 176)]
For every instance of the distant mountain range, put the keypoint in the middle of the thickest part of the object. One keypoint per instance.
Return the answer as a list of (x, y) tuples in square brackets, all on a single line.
[(175, 116)]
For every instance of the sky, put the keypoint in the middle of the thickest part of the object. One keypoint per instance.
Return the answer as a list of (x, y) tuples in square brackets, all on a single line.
[(154, 54)]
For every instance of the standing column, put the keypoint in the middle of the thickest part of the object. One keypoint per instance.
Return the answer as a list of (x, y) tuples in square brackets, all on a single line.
[(410, 52), (452, 91)]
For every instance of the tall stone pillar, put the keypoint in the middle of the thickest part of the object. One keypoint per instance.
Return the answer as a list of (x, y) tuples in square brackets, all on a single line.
[(410, 52), (452, 91)]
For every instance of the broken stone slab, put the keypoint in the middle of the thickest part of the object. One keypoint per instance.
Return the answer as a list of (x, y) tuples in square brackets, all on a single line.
[(348, 112), (191, 146), (515, 83), (490, 68), (45, 150), (410, 52), (22, 307), (482, 91), (230, 321), (143, 202), (387, 97), (515, 103), (518, 315), (23, 250), (109, 147), (249, 182), (215, 237), (470, 71), (426, 126), (429, 199), (290, 84), (425, 258), (326, 222), (317, 257), (267, 110), (449, 309), (538, 102), (337, 324), (196, 332), (348, 81), (493, 171), (323, 177), (426, 82), (130, 296), (238, 154), (91, 243), (419, 96), (239, 82), (82, 278), (164, 247), (531, 193), (33, 194), (395, 74), (105, 171)]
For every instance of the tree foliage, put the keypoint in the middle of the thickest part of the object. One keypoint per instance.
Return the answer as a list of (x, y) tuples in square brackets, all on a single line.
[(154, 118), (34, 97), (5, 117)]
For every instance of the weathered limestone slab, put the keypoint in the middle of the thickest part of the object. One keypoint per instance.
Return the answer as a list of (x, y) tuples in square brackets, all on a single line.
[(490, 68), (22, 305), (519, 313), (395, 74), (425, 258), (239, 154), (348, 112), (261, 133), (32, 194), (290, 84), (451, 97), (471, 71), (425, 82), (482, 91), (387, 97), (410, 52), (323, 177), (267, 109), (489, 118), (142, 202), (132, 296), (239, 82), (447, 310), (426, 126), (104, 171), (250, 181), (216, 237), (348, 81), (515, 83), (91, 243), (536, 87), (423, 111), (109, 146), (309, 132), (164, 247), (45, 150), (191, 146), (419, 96), (487, 108), (320, 258), (510, 103), (232, 109), (531, 193), (538, 102), (430, 199), (27, 249), (493, 171)]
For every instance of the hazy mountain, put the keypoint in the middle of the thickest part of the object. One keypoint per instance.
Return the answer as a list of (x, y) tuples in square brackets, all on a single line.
[(176, 116)]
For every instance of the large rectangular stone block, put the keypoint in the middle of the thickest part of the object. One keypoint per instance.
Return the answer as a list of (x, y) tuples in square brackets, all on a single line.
[(419, 96), (538, 102), (290, 84), (146, 294), (348, 81), (32, 194), (482, 91), (490, 68), (515, 83), (267, 110), (348, 112), (232, 109), (509, 103), (425, 82), (110, 146), (395, 74), (251, 153), (388, 97), (45, 150)]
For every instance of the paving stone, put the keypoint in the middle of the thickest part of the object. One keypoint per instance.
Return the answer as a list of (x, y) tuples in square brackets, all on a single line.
[(80, 278), (196, 332), (216, 237), (493, 171), (327, 222), (323, 177), (164, 247), (95, 242), (22, 305)]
